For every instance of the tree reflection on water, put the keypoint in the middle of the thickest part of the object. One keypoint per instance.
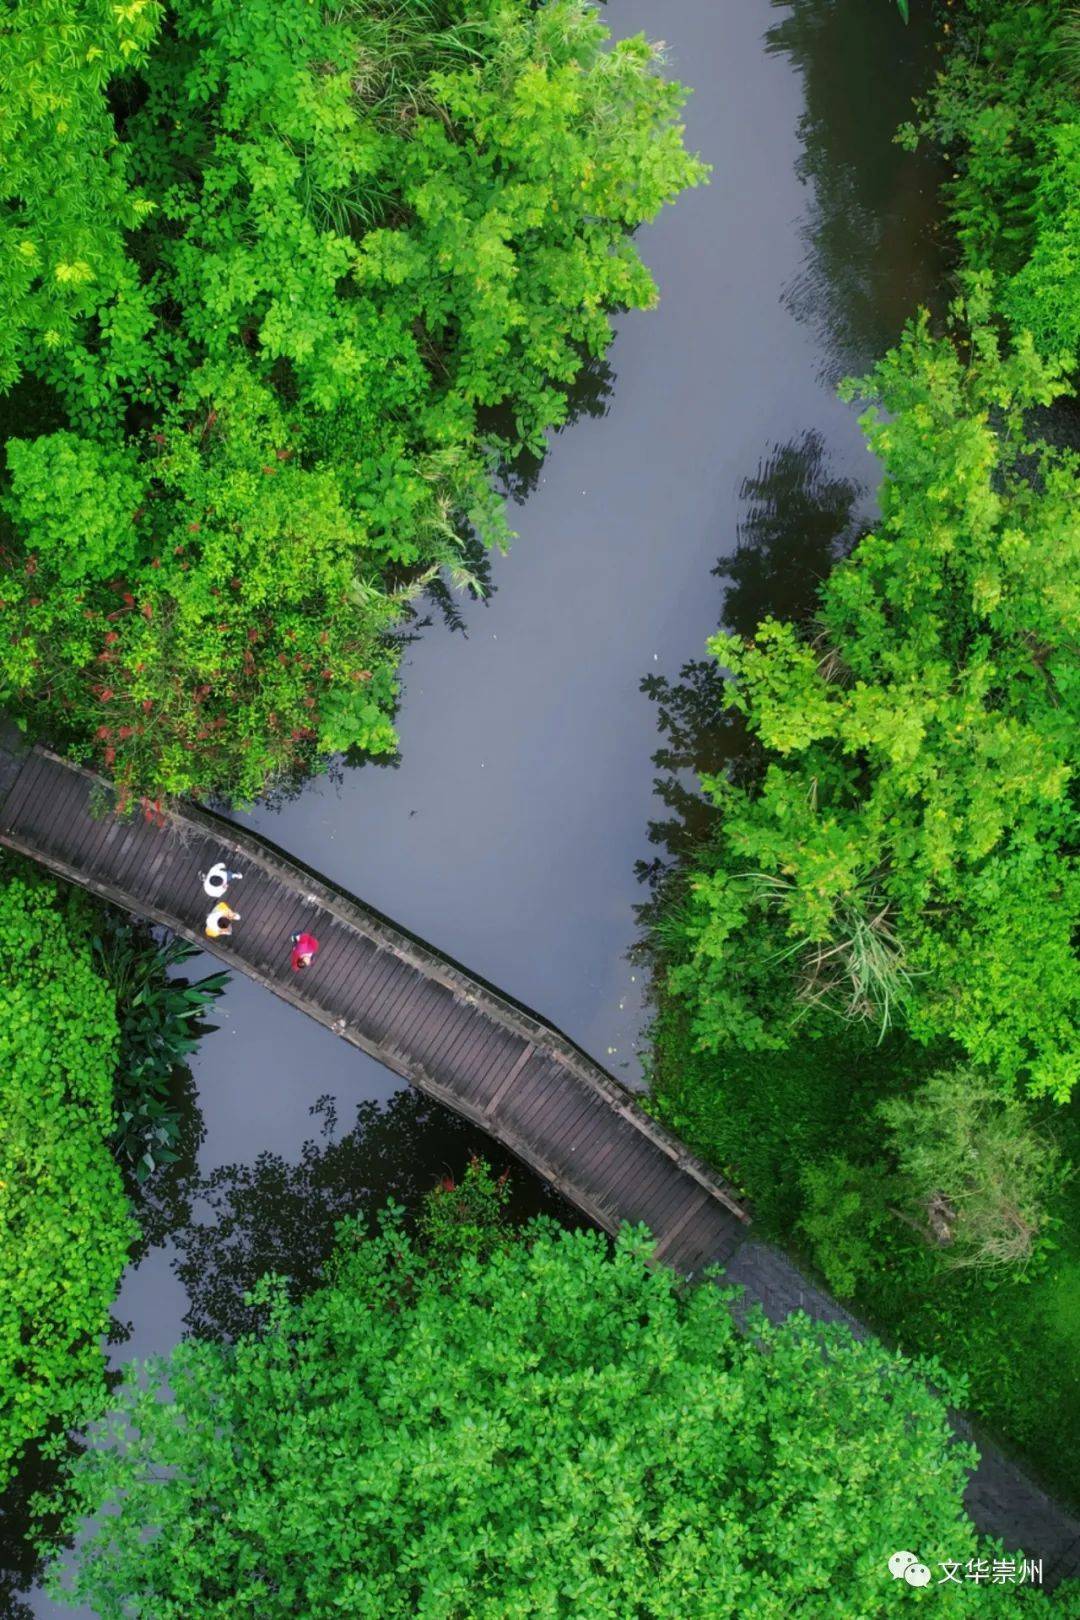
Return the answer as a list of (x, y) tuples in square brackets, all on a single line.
[(799, 518), (873, 248), (279, 1215)]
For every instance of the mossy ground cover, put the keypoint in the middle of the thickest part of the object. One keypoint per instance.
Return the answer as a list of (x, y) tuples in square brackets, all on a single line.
[(1016, 1338)]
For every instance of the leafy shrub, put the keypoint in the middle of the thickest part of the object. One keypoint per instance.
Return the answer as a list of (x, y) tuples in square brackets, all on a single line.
[(64, 183), (63, 486), (1044, 297), (556, 1429), (379, 244), (1068, 45), (1004, 112), (466, 1217), (844, 1220), (159, 1020), (63, 1215), (1010, 1334), (917, 747), (979, 1176)]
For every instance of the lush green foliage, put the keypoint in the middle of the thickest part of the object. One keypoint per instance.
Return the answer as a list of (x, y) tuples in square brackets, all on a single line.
[(1005, 111), (467, 1217), (905, 852), (365, 251), (159, 1018), (555, 1429), (1044, 297), (973, 1168), (64, 1224), (845, 1218), (800, 1134), (64, 181)]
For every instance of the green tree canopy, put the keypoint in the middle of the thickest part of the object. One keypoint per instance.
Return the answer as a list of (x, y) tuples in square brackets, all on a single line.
[(64, 184), (375, 244), (547, 1427), (1005, 110), (907, 848), (64, 1223)]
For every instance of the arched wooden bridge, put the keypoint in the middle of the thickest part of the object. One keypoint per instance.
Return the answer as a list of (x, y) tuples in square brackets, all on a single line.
[(395, 998), (464, 1043)]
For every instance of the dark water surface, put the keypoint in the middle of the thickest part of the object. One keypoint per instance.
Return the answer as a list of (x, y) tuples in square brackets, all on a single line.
[(509, 833)]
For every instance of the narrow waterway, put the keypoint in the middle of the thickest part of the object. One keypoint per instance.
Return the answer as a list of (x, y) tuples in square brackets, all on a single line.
[(510, 831)]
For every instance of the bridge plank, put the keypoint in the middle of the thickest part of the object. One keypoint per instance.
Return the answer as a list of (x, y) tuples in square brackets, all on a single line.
[(567, 1115), (705, 1241), (132, 844), (435, 1045), (458, 1071), (441, 1019), (384, 1015), (448, 1063), (415, 1015), (371, 987), (356, 968), (489, 1069), (91, 834), (55, 797), (658, 1204), (545, 1081), (21, 791)]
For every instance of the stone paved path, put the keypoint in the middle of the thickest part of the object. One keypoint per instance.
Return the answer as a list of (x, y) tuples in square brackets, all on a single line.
[(1000, 1497)]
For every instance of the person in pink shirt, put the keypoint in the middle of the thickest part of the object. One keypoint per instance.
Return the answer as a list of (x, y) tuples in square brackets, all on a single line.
[(304, 949)]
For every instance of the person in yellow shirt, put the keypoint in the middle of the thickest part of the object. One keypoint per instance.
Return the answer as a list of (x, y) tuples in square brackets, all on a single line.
[(219, 922)]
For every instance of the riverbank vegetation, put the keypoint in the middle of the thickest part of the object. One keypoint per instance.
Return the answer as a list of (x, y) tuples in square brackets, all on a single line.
[(93, 1031), (65, 1220), (539, 1422), (868, 996), (284, 284), (909, 814), (1005, 112)]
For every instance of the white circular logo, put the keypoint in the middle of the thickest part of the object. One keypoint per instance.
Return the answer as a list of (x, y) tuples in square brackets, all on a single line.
[(901, 1562), (917, 1575)]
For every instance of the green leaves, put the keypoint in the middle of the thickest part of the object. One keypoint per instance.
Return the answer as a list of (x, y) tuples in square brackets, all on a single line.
[(64, 179), (1004, 110), (977, 1173), (550, 1427), (345, 242), (76, 504), (907, 847), (63, 1216), (160, 1020)]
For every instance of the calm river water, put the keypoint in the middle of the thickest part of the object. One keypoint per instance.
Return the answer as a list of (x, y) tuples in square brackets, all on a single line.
[(509, 832)]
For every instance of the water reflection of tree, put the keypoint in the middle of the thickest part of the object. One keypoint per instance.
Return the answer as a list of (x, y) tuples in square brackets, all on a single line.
[(279, 1215), (587, 395), (20, 1565), (873, 252), (798, 519), (515, 479)]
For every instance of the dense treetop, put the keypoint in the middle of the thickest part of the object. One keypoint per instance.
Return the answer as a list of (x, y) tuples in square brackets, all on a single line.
[(904, 848), (65, 1229), (315, 270), (540, 1428)]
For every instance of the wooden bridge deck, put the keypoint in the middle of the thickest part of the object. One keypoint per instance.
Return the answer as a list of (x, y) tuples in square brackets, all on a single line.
[(412, 1009)]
